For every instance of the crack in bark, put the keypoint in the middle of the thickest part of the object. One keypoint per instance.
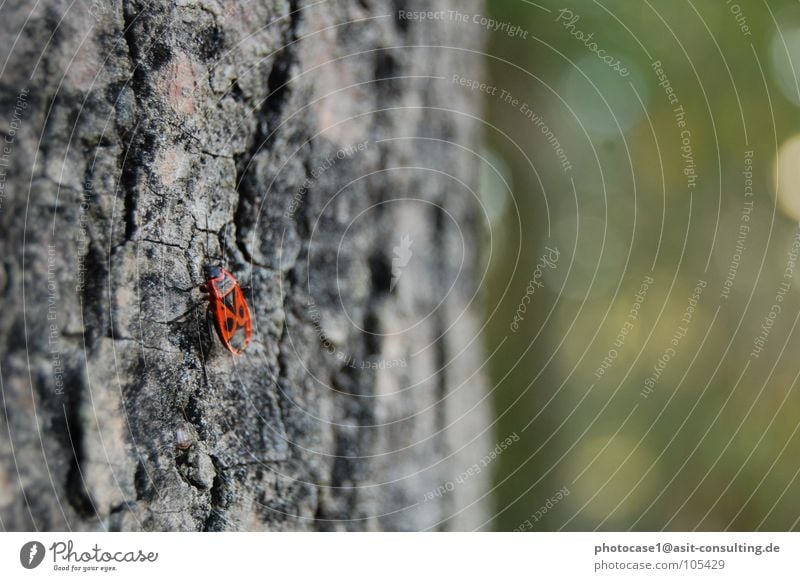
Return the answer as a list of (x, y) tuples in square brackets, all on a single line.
[(440, 347), (140, 141), (219, 500), (76, 492), (92, 294), (129, 171), (401, 23), (162, 243), (440, 350), (269, 114), (353, 443)]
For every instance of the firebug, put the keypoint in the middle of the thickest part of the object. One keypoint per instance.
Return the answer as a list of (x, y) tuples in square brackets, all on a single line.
[(228, 308)]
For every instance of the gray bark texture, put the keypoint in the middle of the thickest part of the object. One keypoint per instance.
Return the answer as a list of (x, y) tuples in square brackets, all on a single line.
[(296, 145)]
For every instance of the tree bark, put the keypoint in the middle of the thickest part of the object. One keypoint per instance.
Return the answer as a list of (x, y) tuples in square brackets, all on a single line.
[(296, 146)]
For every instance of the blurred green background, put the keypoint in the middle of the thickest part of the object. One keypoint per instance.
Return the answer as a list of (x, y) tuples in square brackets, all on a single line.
[(707, 439)]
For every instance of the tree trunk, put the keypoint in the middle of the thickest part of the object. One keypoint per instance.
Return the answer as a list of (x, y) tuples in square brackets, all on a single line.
[(301, 148)]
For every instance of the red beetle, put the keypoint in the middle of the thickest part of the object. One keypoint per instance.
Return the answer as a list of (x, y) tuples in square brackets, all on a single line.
[(228, 308)]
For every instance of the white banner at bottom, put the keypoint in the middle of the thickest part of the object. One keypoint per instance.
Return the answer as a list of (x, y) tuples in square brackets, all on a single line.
[(354, 556)]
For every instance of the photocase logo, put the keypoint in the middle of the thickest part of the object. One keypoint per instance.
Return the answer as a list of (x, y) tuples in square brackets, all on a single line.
[(31, 554), (402, 254)]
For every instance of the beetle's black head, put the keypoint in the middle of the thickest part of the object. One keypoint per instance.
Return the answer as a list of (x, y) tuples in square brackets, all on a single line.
[(212, 271)]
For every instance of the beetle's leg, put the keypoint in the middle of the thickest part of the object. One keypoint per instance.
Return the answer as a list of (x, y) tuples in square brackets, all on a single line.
[(183, 315)]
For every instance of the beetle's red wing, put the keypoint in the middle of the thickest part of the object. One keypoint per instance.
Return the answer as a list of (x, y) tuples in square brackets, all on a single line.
[(243, 313), (243, 328)]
